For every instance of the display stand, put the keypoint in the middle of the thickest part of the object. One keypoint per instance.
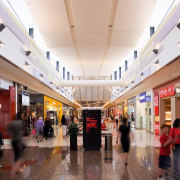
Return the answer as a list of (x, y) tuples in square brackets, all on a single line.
[(92, 129)]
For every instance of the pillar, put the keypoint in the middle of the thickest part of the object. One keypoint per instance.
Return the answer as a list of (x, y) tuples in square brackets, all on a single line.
[(161, 114)]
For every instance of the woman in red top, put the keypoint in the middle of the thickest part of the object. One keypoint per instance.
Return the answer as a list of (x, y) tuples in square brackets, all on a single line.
[(174, 138)]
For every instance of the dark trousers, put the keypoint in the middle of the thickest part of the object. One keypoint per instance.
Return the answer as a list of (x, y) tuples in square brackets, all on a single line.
[(176, 163)]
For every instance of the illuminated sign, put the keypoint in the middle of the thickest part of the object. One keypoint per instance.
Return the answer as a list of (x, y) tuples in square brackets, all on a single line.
[(169, 91), (156, 128), (156, 105), (91, 123)]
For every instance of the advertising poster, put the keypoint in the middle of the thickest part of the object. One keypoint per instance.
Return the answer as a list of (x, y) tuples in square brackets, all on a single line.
[(156, 104), (156, 128), (169, 91), (92, 129)]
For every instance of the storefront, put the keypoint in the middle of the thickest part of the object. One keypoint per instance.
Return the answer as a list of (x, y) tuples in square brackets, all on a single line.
[(131, 103), (166, 104), (7, 105), (144, 118), (53, 110)]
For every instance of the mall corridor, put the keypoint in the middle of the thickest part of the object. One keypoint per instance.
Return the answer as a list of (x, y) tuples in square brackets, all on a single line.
[(90, 89), (53, 160)]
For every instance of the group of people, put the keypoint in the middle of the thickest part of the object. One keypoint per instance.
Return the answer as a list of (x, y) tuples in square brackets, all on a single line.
[(65, 121), (43, 129), (167, 141)]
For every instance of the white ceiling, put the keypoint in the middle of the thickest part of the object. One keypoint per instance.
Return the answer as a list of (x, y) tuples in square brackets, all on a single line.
[(89, 45)]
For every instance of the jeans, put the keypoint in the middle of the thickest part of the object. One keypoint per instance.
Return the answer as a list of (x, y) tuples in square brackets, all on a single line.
[(176, 163)]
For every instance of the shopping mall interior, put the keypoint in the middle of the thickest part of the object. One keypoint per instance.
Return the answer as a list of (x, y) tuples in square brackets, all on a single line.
[(90, 89)]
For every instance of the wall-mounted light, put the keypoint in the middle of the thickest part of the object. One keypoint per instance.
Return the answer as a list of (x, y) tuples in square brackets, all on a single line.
[(28, 53), (41, 76), (2, 26), (155, 51), (142, 75), (178, 25), (27, 64), (1, 44), (157, 62)]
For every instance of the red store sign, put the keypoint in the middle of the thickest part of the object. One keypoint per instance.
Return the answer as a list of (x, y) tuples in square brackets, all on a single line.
[(170, 91), (156, 105), (156, 128)]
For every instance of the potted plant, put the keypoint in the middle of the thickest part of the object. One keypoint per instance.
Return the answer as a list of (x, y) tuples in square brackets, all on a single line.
[(73, 131)]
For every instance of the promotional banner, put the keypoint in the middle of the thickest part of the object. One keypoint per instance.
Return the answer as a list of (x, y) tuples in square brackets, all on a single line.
[(169, 91), (142, 97), (156, 104), (156, 128)]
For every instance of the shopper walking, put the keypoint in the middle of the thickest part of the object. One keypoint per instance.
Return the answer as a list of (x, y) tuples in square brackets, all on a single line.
[(124, 132), (1, 144), (39, 129), (64, 125), (174, 138), (16, 129), (164, 153)]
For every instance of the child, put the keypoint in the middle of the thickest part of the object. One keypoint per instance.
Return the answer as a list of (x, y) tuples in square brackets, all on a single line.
[(164, 154)]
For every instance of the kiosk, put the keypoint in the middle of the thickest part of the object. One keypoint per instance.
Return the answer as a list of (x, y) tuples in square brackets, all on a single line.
[(92, 129)]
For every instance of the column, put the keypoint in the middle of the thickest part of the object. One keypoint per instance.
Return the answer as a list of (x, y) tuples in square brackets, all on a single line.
[(173, 110), (161, 113)]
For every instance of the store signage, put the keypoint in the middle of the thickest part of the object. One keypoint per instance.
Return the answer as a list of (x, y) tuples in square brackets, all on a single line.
[(91, 123), (177, 92), (156, 105), (142, 97), (148, 98), (156, 128), (170, 91), (25, 98)]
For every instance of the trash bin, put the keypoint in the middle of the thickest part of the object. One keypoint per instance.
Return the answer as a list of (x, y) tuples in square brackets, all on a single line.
[(108, 141)]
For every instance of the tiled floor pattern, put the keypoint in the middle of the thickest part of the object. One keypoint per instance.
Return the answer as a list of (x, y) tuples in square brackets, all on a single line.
[(52, 160), (59, 163)]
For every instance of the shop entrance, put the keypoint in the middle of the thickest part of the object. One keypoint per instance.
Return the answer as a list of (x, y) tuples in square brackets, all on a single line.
[(148, 116), (167, 103)]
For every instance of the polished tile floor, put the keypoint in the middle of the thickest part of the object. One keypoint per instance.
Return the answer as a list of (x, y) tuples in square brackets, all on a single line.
[(52, 160)]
